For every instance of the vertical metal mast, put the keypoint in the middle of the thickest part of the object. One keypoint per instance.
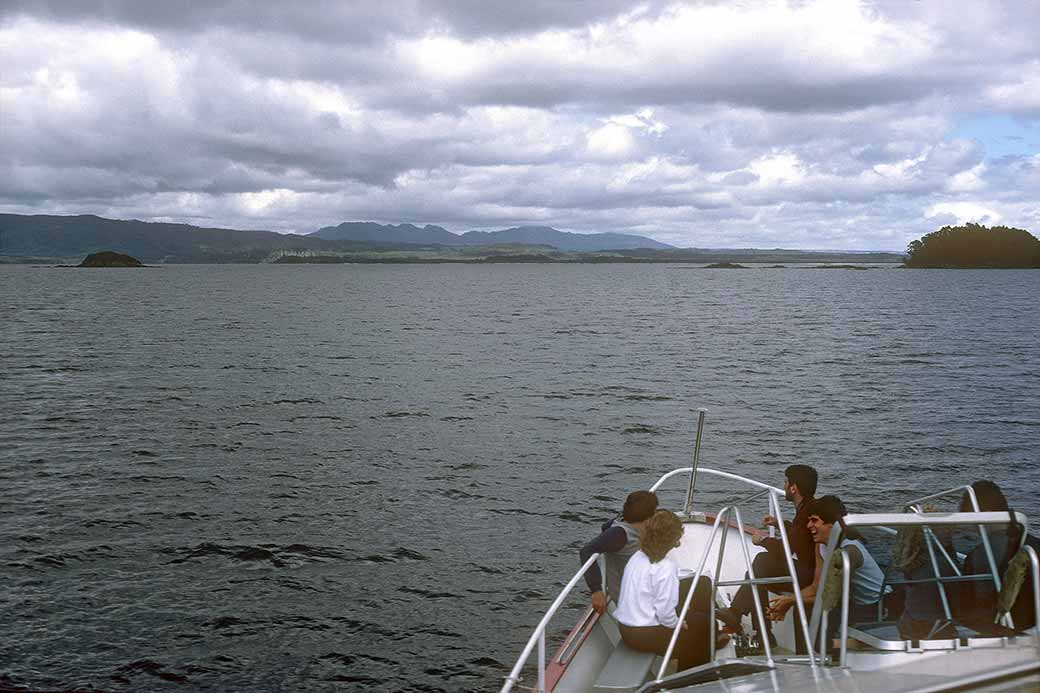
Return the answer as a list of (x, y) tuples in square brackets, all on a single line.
[(696, 460)]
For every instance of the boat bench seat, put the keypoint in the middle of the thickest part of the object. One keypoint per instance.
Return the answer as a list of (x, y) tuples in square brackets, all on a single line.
[(625, 670)]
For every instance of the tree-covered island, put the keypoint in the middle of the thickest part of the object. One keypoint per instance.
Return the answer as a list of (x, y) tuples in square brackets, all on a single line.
[(974, 246)]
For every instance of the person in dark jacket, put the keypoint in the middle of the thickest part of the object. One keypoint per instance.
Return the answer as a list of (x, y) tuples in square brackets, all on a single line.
[(976, 605), (618, 541), (800, 489)]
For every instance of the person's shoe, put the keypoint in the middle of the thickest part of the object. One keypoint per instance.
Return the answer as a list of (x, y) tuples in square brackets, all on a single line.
[(730, 617)]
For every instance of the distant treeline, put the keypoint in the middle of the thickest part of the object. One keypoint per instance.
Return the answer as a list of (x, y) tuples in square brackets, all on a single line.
[(975, 246), (48, 239)]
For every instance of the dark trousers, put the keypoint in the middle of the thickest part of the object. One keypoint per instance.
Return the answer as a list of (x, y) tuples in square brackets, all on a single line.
[(769, 564), (858, 613), (694, 644)]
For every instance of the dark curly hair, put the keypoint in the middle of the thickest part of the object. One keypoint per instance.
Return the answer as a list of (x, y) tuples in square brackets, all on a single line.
[(639, 506)]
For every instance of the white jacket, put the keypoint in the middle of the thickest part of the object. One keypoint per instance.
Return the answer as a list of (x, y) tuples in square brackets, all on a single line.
[(649, 592)]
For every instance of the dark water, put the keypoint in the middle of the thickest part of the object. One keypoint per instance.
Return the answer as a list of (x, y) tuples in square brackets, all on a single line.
[(281, 478)]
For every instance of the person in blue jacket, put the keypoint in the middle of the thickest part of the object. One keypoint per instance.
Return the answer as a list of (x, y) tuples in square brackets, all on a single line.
[(618, 541)]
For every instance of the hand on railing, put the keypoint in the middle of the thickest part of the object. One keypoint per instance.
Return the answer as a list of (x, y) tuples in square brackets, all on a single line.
[(599, 602), (769, 521)]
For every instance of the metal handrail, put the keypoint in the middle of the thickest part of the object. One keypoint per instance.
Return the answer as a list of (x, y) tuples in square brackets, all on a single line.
[(1034, 562), (846, 579), (718, 473), (970, 491), (773, 494), (931, 541), (883, 521), (934, 519), (943, 579), (696, 461), (925, 520), (794, 579), (759, 612), (689, 594), (538, 636)]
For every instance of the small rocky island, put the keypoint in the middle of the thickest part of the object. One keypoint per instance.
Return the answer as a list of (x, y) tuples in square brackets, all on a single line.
[(108, 258), (974, 246), (725, 265)]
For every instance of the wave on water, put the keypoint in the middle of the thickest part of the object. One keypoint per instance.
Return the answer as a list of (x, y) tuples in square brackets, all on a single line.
[(290, 555), (148, 667)]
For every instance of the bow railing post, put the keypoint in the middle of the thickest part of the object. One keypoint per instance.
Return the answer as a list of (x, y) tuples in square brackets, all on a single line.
[(689, 596), (799, 602), (688, 506)]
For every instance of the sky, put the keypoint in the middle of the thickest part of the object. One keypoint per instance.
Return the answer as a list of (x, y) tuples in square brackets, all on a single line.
[(824, 125)]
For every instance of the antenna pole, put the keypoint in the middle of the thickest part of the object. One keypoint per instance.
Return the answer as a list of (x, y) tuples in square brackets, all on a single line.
[(696, 460)]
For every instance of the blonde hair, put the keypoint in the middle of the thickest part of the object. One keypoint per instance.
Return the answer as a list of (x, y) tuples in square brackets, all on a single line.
[(659, 534), (911, 551)]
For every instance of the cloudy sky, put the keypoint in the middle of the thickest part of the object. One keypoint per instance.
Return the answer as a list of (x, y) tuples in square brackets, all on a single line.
[(833, 124)]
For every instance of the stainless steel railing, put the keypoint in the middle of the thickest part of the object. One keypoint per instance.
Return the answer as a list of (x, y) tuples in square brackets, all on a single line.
[(722, 520), (926, 521), (538, 636)]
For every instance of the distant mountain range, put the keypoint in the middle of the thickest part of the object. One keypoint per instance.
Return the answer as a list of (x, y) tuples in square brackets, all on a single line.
[(372, 232), (68, 239)]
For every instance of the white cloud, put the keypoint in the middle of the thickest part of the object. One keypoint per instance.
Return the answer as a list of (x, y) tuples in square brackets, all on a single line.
[(780, 169), (968, 181), (611, 141), (964, 212)]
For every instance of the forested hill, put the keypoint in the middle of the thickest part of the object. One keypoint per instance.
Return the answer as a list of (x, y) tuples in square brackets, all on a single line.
[(75, 237), (372, 232), (69, 239), (975, 246), (563, 240)]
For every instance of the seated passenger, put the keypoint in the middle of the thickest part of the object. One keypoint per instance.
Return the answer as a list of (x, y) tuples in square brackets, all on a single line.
[(866, 580), (923, 616), (617, 542), (799, 488), (976, 603), (647, 611)]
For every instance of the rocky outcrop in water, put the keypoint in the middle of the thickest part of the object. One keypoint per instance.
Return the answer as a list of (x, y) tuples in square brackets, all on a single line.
[(107, 258)]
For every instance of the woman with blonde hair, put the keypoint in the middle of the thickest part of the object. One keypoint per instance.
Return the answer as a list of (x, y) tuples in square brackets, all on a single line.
[(648, 606)]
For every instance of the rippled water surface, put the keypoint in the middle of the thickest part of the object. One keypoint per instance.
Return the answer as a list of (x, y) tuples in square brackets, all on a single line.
[(304, 478)]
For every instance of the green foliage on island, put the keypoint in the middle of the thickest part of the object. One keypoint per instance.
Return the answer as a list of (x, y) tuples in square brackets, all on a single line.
[(975, 246)]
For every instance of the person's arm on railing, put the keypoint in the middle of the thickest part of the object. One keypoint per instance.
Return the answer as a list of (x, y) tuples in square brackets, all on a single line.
[(611, 540)]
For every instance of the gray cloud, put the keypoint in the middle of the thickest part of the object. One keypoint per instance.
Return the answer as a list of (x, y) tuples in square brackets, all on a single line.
[(813, 124)]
